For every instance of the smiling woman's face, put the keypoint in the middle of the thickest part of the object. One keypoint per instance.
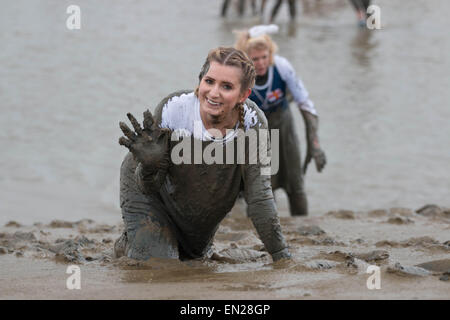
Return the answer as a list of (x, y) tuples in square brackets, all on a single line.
[(219, 92), (261, 60)]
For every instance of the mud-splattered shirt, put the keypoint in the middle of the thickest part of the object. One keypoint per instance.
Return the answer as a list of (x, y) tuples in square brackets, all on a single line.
[(198, 196)]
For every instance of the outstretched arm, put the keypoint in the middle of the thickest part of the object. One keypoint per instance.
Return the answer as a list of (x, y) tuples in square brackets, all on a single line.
[(260, 201)]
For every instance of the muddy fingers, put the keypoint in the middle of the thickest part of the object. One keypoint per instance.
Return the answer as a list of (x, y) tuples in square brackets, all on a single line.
[(127, 131), (134, 123), (148, 120), (149, 144), (125, 142)]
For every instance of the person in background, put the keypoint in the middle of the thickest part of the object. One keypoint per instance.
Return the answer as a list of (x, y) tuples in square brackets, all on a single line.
[(360, 7), (240, 7), (276, 7), (275, 76), (172, 210)]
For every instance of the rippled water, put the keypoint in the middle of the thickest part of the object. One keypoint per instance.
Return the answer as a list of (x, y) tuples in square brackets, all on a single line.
[(382, 97)]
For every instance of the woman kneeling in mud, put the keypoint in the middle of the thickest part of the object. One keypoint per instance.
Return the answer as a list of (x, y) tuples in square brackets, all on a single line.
[(172, 209)]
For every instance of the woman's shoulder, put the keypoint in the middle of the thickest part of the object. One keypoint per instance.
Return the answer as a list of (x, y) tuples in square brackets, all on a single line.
[(175, 109), (253, 116), (280, 60), (283, 65)]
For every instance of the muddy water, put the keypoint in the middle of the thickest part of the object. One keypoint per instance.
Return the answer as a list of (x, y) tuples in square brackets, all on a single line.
[(383, 103), (382, 97), (331, 256)]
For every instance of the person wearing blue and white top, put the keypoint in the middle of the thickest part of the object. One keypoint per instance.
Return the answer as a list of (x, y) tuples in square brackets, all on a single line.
[(275, 77)]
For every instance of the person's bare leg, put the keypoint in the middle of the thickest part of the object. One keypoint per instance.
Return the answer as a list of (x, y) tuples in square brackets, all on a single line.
[(292, 9), (275, 9), (241, 7), (253, 4), (263, 7), (225, 5)]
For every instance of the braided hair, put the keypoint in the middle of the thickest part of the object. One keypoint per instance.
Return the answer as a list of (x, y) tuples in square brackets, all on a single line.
[(229, 56)]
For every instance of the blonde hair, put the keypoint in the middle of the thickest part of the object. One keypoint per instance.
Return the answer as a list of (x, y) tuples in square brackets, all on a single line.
[(229, 56), (263, 42)]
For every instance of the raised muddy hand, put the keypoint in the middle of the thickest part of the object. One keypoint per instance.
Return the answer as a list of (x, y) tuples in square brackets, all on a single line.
[(149, 144)]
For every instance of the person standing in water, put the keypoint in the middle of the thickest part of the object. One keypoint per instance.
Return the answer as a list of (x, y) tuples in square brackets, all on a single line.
[(274, 77), (276, 7), (172, 210), (240, 7), (360, 7)]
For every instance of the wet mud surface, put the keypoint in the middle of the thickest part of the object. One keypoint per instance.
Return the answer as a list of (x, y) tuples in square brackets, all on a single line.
[(331, 255)]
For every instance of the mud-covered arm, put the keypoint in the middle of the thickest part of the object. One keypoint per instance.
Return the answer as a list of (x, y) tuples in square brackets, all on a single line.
[(306, 106), (261, 204), (295, 85), (263, 213), (150, 179)]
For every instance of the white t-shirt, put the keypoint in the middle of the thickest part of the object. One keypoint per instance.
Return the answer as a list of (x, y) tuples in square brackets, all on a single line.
[(182, 115)]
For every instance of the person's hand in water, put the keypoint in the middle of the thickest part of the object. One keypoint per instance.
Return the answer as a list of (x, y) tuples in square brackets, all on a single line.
[(149, 144)]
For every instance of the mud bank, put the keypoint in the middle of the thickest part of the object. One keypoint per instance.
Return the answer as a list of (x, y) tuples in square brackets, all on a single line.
[(331, 256)]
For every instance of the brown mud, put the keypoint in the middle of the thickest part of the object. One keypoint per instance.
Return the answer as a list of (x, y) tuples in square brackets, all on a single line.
[(331, 254)]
